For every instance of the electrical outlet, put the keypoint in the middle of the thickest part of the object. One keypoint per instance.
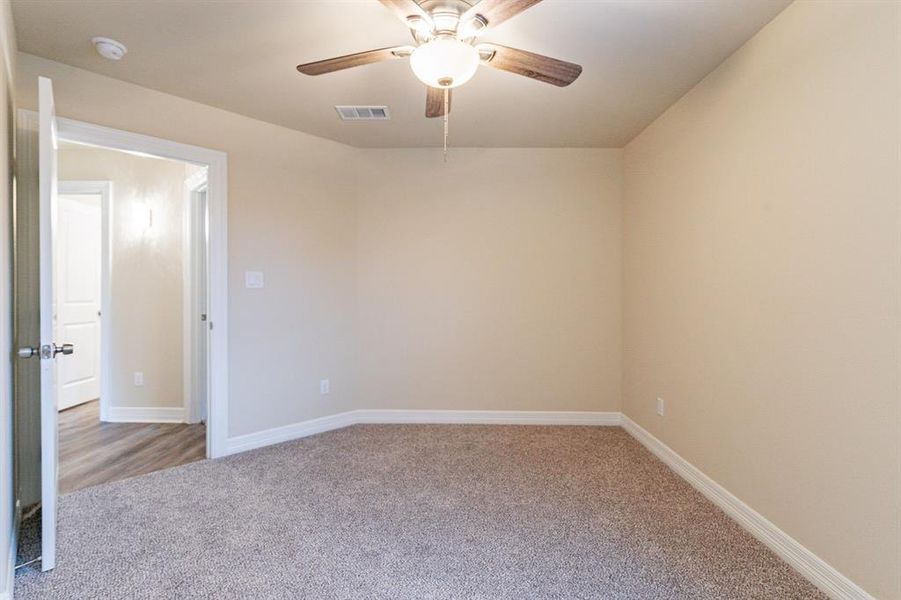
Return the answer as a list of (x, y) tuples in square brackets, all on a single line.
[(139, 379), (661, 406), (324, 386)]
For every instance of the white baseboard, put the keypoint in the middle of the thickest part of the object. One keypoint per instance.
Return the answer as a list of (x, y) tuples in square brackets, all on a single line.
[(808, 564), (286, 433), (487, 417), (144, 414)]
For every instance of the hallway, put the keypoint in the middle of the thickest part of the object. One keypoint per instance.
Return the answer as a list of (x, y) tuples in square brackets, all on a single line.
[(92, 452)]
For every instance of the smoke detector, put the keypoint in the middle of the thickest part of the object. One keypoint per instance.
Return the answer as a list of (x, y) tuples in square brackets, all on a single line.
[(108, 48)]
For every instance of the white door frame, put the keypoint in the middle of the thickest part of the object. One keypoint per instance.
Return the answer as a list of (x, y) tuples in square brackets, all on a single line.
[(48, 142), (105, 190), (217, 252), (193, 329)]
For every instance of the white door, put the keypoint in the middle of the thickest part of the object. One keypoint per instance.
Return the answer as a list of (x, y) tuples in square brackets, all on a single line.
[(77, 257), (47, 178)]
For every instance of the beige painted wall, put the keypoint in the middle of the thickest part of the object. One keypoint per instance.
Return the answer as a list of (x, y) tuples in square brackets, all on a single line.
[(763, 277), (291, 215), (300, 215), (490, 282), (7, 131), (147, 272)]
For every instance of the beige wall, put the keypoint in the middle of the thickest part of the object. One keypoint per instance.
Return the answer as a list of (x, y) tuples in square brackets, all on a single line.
[(147, 273), (763, 277), (490, 282), (7, 131), (320, 232), (291, 215)]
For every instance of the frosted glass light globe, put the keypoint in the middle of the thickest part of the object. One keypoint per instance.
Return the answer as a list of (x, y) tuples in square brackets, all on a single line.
[(444, 62)]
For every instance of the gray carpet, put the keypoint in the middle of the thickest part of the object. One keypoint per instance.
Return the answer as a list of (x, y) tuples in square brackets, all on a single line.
[(28, 543), (412, 511)]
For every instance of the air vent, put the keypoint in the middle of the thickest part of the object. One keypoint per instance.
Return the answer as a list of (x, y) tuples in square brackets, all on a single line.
[(363, 113)]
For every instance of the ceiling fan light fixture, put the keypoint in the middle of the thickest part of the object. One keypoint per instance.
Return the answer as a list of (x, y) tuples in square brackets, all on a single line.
[(444, 62), (420, 26), (473, 27)]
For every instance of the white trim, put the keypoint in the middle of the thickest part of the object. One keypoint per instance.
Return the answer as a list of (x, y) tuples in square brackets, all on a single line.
[(217, 272), (146, 414), (808, 564), (48, 142), (489, 417), (105, 189), (9, 583), (302, 429), (286, 433)]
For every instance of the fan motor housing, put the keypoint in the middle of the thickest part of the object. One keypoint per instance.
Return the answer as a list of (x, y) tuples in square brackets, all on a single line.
[(446, 14)]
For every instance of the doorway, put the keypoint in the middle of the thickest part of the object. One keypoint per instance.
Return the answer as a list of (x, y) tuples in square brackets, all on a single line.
[(123, 243), (36, 376), (206, 204)]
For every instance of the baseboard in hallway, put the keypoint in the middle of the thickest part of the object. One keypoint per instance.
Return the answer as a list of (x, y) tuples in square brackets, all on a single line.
[(141, 414)]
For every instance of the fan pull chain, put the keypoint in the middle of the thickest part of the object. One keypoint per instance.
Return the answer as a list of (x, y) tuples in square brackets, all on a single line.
[(446, 118)]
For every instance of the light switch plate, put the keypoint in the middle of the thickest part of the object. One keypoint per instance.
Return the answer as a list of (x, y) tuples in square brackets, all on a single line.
[(253, 279)]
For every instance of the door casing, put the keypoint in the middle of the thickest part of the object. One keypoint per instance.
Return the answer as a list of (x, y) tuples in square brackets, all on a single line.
[(194, 329), (217, 253)]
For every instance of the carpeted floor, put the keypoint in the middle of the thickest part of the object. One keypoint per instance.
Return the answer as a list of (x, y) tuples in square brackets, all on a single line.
[(412, 511)]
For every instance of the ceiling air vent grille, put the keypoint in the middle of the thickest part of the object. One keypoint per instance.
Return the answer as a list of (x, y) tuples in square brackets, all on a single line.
[(363, 113)]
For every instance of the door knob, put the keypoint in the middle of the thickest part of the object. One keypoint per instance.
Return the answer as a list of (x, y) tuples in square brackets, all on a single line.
[(27, 352), (65, 349)]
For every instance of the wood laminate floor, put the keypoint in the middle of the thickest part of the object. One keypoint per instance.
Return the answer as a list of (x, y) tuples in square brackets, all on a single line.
[(92, 452)]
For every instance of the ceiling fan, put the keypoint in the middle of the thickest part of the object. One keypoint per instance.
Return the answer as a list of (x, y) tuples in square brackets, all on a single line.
[(447, 52)]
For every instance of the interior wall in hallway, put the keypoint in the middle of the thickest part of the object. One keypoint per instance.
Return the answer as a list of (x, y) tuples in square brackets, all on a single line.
[(147, 250), (763, 281)]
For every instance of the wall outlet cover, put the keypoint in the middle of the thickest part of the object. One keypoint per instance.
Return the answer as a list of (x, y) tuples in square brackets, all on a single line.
[(324, 386), (254, 280)]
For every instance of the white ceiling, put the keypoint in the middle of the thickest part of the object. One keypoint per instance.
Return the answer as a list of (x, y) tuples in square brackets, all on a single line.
[(639, 56)]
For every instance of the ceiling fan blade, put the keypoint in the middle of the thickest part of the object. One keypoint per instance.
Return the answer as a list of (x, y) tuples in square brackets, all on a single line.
[(434, 102), (494, 12), (331, 65), (409, 12), (528, 64)]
